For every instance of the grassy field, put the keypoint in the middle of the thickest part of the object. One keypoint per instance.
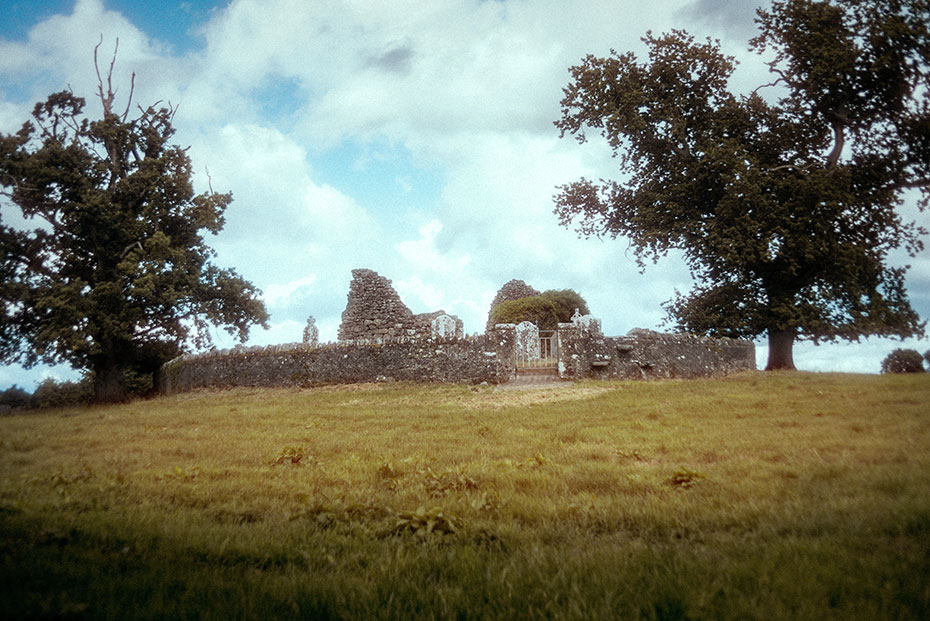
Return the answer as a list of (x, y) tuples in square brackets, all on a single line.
[(761, 496)]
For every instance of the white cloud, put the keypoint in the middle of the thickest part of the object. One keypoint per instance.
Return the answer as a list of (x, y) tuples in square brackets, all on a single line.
[(418, 295), (279, 332), (59, 54), (279, 215), (285, 294), (325, 118), (29, 379), (423, 254)]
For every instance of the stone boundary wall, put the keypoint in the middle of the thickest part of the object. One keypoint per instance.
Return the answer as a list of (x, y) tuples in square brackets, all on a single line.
[(476, 359), (490, 357), (643, 354)]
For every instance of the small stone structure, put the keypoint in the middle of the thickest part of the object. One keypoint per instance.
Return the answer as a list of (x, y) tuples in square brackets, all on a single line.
[(438, 324), (446, 326)]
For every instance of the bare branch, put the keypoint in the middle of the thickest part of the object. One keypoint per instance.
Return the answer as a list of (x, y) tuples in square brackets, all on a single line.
[(127, 249), (103, 98), (792, 166), (132, 89), (769, 85), (96, 64), (106, 99), (839, 140), (112, 64), (209, 180), (782, 76)]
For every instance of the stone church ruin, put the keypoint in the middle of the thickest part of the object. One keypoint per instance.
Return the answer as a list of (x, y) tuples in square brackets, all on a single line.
[(381, 339), (374, 311)]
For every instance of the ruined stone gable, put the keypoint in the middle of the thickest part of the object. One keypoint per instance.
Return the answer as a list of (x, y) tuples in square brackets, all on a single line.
[(374, 310)]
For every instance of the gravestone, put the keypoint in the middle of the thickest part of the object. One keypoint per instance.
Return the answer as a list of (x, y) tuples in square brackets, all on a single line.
[(443, 326), (527, 345)]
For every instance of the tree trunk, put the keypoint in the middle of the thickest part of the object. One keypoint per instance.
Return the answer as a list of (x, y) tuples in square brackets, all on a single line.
[(780, 346), (109, 382)]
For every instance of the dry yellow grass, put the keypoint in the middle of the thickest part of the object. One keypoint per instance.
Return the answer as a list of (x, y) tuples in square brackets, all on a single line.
[(566, 491)]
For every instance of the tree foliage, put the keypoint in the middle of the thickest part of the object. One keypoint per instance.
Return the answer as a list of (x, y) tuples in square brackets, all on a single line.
[(115, 277), (903, 361), (512, 290), (546, 310), (51, 393), (785, 211), (14, 398)]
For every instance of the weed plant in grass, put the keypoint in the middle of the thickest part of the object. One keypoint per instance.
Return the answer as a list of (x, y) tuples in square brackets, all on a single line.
[(776, 495)]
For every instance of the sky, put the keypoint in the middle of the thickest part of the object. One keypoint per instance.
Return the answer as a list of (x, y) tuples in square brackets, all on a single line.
[(412, 138)]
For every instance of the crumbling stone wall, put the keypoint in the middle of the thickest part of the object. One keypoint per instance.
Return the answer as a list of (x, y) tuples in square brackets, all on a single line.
[(484, 358), (643, 354), (512, 290)]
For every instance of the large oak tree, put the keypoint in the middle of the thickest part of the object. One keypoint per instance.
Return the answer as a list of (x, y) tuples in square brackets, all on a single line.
[(115, 277), (785, 208)]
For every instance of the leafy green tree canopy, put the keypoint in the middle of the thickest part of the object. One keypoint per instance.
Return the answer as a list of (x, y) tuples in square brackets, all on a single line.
[(116, 277), (903, 361), (785, 212), (546, 310)]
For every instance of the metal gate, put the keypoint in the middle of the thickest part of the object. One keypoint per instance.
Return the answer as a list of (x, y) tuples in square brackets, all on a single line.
[(545, 356)]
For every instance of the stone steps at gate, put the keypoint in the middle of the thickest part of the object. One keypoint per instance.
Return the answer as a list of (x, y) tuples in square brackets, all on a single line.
[(542, 373), (532, 378)]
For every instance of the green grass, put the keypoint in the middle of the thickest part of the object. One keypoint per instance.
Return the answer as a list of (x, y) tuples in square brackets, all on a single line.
[(762, 496)]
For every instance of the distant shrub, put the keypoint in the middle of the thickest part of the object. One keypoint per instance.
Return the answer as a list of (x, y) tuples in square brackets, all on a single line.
[(14, 398), (903, 361), (53, 394)]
